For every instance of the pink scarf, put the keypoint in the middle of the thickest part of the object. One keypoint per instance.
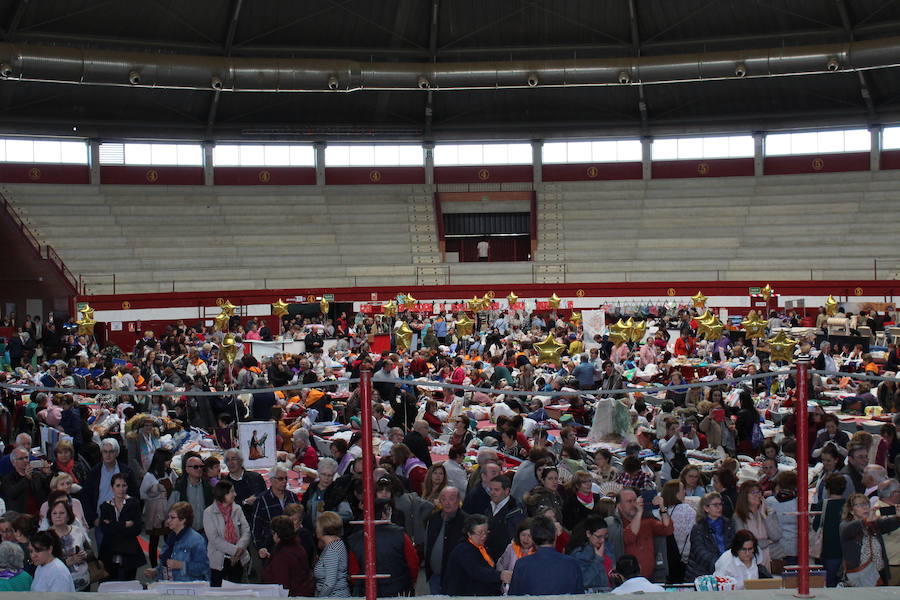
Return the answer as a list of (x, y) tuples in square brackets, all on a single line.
[(231, 535)]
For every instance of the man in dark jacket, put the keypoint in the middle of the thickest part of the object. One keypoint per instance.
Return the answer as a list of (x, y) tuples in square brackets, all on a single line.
[(192, 487), (443, 530), (395, 555), (248, 486), (419, 442), (98, 488), (25, 488), (504, 516)]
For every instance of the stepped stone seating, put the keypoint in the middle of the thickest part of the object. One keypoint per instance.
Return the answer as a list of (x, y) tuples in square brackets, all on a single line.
[(821, 226), (195, 238)]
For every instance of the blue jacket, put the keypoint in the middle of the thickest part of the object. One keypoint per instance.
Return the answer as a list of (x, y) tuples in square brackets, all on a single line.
[(189, 547), (530, 574), (593, 567)]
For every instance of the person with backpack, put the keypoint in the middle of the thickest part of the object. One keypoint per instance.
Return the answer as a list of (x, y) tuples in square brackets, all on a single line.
[(674, 446)]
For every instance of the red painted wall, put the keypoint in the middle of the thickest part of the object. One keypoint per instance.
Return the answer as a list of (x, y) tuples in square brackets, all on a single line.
[(890, 159), (131, 175), (264, 175), (592, 171), (816, 163), (374, 175), (719, 167), (43, 173), (484, 174)]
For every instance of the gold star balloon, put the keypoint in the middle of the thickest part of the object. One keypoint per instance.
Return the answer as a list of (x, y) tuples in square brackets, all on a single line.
[(464, 325), (554, 300), (220, 323), (767, 292), (390, 309), (486, 302), (781, 347), (618, 332), (86, 326), (512, 298), (710, 329), (699, 299), (403, 337), (280, 308), (87, 312), (706, 317), (575, 318), (831, 306), (228, 308), (638, 330), (409, 302), (323, 306), (476, 304), (549, 351), (229, 349), (754, 327)]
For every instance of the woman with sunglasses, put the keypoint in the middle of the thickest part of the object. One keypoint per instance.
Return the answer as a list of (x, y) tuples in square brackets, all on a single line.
[(710, 538)]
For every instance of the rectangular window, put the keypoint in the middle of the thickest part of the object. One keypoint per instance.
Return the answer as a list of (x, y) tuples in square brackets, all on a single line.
[(377, 155), (818, 142), (43, 151), (890, 138), (263, 155), (451, 155), (722, 146), (151, 154), (589, 152)]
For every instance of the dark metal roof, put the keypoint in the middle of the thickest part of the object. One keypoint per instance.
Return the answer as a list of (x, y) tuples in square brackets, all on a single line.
[(465, 31)]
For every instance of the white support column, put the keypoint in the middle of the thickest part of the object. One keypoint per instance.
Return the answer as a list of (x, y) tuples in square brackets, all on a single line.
[(208, 173), (646, 158), (94, 161), (537, 162), (320, 163), (875, 151), (428, 148), (759, 153)]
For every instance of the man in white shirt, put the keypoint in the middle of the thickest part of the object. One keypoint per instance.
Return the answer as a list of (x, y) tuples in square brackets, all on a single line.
[(483, 248), (628, 567)]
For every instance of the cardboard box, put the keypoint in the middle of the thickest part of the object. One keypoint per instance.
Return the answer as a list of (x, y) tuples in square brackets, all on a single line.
[(763, 584), (816, 579)]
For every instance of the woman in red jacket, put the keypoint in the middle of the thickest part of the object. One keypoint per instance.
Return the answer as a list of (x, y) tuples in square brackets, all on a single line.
[(288, 564)]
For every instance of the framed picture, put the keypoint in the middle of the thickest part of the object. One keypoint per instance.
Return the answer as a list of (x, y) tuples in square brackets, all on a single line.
[(256, 440)]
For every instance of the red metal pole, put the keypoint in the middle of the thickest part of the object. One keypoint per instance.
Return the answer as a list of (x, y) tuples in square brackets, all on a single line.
[(801, 418), (365, 397)]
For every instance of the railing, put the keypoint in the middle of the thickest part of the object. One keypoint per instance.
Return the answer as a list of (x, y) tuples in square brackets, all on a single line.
[(48, 253), (94, 276)]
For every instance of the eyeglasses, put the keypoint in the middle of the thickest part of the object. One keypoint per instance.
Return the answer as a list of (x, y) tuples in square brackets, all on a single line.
[(195, 466), (714, 504), (860, 505), (751, 549), (279, 478), (756, 493)]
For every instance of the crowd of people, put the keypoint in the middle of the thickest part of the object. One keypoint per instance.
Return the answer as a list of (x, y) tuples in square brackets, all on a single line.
[(536, 487)]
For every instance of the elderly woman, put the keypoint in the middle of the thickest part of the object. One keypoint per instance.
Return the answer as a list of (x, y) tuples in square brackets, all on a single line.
[(322, 495), (63, 483), (331, 569), (710, 537), (470, 570), (184, 556), (70, 463), (140, 443), (304, 454), (228, 535), (13, 577)]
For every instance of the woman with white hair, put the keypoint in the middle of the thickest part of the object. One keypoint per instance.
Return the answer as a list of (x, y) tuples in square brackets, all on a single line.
[(13, 576), (322, 495), (304, 454)]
